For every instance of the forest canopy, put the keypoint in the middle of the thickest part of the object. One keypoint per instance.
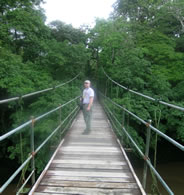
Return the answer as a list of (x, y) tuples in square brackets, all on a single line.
[(141, 47)]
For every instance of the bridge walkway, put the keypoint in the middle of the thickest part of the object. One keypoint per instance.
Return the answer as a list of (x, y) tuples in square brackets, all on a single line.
[(93, 164)]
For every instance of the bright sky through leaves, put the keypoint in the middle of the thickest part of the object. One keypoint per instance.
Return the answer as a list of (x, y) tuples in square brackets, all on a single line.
[(77, 12)]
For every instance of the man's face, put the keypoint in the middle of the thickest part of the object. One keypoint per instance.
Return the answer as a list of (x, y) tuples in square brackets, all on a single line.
[(86, 85)]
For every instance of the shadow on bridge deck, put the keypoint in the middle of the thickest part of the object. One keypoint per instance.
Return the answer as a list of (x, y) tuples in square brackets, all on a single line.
[(91, 164)]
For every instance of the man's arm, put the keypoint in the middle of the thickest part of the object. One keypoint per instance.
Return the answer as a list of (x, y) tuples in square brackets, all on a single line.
[(90, 103)]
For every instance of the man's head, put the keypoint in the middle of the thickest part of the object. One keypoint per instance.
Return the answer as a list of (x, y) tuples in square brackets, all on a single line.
[(87, 84)]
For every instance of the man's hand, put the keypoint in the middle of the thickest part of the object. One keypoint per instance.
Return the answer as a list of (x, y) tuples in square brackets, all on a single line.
[(88, 108)]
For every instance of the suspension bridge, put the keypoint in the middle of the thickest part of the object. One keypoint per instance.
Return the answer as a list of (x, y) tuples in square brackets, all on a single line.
[(88, 164)]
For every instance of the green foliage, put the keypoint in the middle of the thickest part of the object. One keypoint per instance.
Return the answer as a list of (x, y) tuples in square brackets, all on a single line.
[(159, 49), (140, 47), (19, 78), (63, 32), (34, 56)]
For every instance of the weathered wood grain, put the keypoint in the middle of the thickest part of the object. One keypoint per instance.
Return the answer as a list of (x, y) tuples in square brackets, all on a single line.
[(84, 184), (125, 167), (87, 166), (90, 179), (92, 164), (88, 191), (89, 174)]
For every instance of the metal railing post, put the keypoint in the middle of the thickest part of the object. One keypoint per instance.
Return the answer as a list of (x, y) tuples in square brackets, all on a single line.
[(125, 139), (32, 150), (146, 154), (123, 121), (60, 121), (123, 125)]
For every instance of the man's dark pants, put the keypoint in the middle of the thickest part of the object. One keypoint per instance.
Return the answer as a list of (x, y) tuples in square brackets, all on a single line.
[(87, 117)]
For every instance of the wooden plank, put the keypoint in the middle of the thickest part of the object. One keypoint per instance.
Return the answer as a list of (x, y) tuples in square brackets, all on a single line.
[(124, 169), (91, 144), (92, 179), (89, 174), (88, 154), (89, 157), (100, 123), (90, 162), (88, 191), (91, 135), (85, 184), (95, 152), (91, 149), (88, 166), (97, 123), (93, 130), (93, 126), (90, 140)]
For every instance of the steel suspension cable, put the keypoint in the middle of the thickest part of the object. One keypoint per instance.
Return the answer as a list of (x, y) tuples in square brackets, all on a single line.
[(37, 92), (145, 96)]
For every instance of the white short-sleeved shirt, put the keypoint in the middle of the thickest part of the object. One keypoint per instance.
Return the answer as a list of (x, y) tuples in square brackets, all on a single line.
[(87, 93)]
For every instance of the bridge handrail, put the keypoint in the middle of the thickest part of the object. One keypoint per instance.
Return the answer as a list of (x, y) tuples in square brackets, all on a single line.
[(141, 153), (37, 92), (31, 156), (17, 129), (44, 142), (175, 143), (145, 96)]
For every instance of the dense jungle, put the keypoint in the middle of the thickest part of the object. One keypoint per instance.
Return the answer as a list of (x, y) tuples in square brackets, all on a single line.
[(140, 45)]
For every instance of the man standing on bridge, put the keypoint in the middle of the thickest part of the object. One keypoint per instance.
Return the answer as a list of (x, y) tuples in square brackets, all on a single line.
[(87, 100)]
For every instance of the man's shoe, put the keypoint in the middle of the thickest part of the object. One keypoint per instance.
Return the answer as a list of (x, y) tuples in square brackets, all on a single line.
[(85, 133)]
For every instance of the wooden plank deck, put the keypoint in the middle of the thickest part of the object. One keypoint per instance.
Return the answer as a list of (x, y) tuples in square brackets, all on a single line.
[(93, 164)]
